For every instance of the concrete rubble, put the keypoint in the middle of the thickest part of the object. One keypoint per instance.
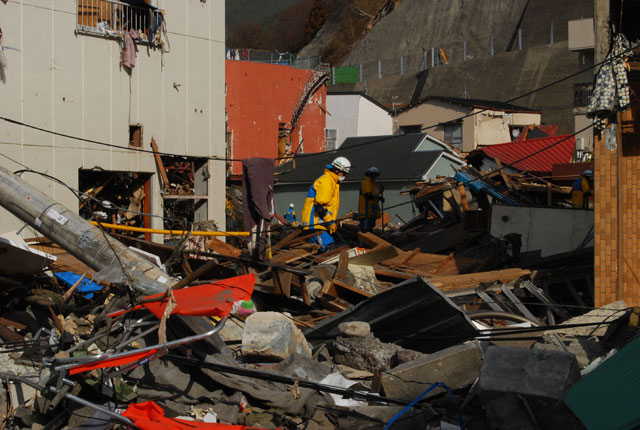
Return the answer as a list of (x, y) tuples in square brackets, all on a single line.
[(305, 343)]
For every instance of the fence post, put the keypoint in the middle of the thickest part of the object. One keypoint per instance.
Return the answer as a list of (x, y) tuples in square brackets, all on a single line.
[(464, 50), (551, 35), (401, 65), (491, 46), (433, 57), (520, 39), (333, 75), (379, 69), (360, 72)]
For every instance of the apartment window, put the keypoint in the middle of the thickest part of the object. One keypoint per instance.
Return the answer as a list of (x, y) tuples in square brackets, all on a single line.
[(331, 134), (453, 135), (135, 136), (410, 129), (114, 18)]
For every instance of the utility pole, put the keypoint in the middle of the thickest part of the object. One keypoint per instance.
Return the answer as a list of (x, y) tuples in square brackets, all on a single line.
[(79, 237)]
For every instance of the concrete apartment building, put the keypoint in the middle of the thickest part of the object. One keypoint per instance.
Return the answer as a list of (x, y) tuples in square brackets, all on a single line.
[(65, 75)]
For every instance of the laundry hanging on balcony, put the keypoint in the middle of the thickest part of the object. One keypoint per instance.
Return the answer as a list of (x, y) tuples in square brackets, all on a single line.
[(611, 90)]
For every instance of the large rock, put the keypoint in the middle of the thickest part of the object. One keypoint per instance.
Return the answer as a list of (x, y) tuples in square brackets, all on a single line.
[(606, 313), (364, 353), (271, 336), (533, 372), (457, 366)]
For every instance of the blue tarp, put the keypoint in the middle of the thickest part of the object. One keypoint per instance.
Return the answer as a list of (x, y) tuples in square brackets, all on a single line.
[(86, 287), (478, 185)]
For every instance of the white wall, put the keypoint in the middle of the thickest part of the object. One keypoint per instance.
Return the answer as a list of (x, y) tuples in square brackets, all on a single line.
[(552, 230), (73, 84), (373, 120), (354, 116), (344, 115)]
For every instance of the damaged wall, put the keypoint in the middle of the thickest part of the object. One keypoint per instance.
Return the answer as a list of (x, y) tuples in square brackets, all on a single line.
[(74, 84), (260, 98)]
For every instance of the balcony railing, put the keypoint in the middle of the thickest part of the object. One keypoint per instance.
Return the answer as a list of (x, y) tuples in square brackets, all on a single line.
[(582, 94), (114, 18)]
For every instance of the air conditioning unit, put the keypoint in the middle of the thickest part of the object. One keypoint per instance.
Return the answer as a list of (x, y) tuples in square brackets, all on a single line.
[(580, 144)]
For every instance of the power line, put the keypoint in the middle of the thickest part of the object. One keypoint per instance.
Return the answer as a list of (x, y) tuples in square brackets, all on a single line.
[(227, 159)]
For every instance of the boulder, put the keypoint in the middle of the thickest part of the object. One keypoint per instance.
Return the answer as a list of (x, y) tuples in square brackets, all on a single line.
[(272, 337)]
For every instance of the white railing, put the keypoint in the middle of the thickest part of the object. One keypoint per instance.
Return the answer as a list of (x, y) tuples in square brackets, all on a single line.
[(114, 18)]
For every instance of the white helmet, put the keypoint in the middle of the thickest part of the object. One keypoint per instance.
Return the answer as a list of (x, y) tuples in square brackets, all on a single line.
[(341, 164), (291, 205)]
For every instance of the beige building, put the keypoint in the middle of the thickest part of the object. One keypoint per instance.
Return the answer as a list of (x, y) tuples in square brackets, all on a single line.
[(66, 87), (485, 123)]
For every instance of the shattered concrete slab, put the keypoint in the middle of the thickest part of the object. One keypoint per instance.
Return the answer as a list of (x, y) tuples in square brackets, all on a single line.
[(457, 366), (606, 313), (532, 372), (366, 353)]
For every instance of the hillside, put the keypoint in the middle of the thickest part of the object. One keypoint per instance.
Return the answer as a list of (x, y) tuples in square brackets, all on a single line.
[(259, 11)]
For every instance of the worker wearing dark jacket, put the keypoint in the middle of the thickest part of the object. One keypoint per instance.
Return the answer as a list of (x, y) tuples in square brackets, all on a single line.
[(581, 190), (321, 206), (369, 200)]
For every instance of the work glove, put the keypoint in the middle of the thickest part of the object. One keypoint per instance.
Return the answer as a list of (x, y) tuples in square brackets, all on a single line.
[(332, 228), (320, 210)]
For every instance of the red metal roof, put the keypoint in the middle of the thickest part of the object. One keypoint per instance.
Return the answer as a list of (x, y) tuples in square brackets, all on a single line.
[(560, 149)]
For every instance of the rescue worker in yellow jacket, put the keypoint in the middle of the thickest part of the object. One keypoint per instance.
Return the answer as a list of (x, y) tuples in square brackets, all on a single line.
[(369, 200), (323, 201), (581, 189)]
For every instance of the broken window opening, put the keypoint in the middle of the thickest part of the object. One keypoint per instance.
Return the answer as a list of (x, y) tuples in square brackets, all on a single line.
[(111, 18), (116, 197), (186, 193), (135, 136)]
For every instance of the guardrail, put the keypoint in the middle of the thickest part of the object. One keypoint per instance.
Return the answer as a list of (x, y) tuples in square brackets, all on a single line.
[(111, 18)]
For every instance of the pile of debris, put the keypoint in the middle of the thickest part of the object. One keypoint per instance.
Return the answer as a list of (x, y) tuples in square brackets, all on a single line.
[(101, 330)]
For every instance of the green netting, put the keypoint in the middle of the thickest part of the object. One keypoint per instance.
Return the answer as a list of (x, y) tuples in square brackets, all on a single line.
[(346, 75)]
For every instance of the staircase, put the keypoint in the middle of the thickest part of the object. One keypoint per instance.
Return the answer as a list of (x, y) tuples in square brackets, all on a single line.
[(318, 77)]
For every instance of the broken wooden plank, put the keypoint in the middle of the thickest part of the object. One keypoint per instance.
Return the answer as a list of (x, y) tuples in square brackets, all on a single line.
[(471, 280), (220, 247), (442, 265), (287, 239), (290, 256), (160, 165), (372, 240), (343, 266), (282, 281)]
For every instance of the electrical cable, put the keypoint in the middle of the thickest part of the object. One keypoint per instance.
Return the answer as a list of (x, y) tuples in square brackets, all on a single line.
[(227, 159)]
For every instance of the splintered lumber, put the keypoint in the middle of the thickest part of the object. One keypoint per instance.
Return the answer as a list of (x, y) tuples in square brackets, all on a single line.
[(424, 264), (287, 239), (160, 165), (220, 247), (343, 265), (471, 280), (290, 256), (372, 240)]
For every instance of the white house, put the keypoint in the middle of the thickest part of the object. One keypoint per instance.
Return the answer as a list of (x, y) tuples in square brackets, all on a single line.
[(75, 108), (351, 114)]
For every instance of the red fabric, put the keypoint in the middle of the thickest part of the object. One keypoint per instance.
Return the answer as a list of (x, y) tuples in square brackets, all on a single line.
[(213, 299), (543, 162), (112, 362), (150, 416)]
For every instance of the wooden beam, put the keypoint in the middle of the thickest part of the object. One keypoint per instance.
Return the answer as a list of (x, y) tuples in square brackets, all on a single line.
[(287, 239), (160, 165), (505, 177)]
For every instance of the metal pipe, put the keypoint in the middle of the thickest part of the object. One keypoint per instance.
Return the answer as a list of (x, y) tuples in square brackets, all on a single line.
[(76, 235)]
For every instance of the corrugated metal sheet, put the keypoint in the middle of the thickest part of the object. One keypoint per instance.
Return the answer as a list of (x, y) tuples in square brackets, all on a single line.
[(560, 149), (606, 398)]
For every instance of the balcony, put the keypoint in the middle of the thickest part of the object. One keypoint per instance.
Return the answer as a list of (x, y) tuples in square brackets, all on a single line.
[(111, 18), (582, 94)]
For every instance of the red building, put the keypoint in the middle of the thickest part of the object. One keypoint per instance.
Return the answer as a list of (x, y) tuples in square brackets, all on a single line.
[(260, 102)]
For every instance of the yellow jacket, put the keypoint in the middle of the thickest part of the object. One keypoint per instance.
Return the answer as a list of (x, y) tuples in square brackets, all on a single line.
[(581, 188), (325, 192), (369, 200)]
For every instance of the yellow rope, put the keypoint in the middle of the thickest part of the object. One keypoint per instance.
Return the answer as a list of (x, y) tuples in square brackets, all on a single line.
[(171, 232)]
